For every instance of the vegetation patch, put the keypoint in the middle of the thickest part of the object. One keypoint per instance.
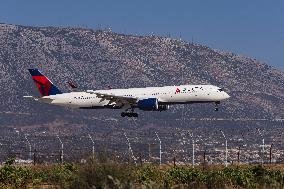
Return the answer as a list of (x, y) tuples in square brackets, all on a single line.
[(109, 174)]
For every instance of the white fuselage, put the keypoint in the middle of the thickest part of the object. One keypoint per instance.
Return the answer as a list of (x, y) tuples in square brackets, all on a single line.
[(166, 95)]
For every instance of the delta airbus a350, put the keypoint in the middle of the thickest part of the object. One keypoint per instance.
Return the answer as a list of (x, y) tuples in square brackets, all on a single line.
[(147, 99)]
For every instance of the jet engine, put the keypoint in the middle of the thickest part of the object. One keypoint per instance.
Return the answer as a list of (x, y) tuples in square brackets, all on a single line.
[(151, 104), (148, 104)]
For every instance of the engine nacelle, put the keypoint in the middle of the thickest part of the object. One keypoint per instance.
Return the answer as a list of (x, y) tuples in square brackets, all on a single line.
[(149, 104), (163, 107)]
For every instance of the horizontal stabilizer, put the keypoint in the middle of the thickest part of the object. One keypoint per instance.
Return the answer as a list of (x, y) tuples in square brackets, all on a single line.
[(40, 99), (32, 97)]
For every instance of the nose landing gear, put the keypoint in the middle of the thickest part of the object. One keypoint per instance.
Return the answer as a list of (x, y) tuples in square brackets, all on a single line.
[(216, 106)]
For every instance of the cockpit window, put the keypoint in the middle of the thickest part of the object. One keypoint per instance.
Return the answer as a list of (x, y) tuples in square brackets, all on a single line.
[(220, 89)]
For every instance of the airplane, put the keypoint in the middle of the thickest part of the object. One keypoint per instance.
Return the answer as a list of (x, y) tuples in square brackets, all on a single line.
[(146, 99)]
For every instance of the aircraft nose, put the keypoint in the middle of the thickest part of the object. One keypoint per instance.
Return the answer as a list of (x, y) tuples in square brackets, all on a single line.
[(226, 96)]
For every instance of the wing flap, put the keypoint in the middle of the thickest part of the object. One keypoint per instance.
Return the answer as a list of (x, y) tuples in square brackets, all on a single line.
[(114, 98)]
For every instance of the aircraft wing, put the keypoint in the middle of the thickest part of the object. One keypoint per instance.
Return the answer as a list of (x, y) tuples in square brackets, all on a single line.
[(126, 100)]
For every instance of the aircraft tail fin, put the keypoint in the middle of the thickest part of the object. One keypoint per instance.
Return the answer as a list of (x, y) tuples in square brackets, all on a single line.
[(44, 85)]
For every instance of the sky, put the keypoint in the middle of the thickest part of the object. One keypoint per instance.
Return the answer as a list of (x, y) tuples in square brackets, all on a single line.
[(253, 28)]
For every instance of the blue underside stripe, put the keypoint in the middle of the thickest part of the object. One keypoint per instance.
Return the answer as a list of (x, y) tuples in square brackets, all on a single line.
[(54, 90)]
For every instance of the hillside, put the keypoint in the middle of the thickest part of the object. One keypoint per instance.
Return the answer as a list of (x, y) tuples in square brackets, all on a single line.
[(96, 59)]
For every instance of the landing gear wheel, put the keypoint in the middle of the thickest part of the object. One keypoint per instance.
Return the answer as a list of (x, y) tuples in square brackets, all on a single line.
[(129, 114), (216, 106)]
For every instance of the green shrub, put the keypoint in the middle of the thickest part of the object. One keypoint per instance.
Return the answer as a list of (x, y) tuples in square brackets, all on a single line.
[(94, 174), (149, 173), (17, 176)]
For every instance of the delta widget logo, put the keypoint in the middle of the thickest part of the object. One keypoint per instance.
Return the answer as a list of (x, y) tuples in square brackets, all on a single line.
[(179, 91)]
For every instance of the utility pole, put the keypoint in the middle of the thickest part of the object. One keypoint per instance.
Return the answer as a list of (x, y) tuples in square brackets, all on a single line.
[(262, 147), (30, 147), (193, 149), (262, 150), (93, 146), (130, 152), (160, 147), (239, 155), (193, 152), (270, 154), (149, 150), (140, 159), (204, 158), (243, 145), (226, 153), (61, 153), (34, 157)]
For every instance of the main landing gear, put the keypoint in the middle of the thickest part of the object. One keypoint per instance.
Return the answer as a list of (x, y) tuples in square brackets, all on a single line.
[(129, 113), (216, 106)]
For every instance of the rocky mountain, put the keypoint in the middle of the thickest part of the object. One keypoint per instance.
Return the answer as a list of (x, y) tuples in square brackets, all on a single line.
[(96, 59)]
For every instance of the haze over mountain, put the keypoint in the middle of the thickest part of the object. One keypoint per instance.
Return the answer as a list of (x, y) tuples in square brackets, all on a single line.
[(96, 59)]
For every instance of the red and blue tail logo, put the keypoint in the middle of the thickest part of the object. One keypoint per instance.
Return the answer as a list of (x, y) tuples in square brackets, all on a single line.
[(44, 85)]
